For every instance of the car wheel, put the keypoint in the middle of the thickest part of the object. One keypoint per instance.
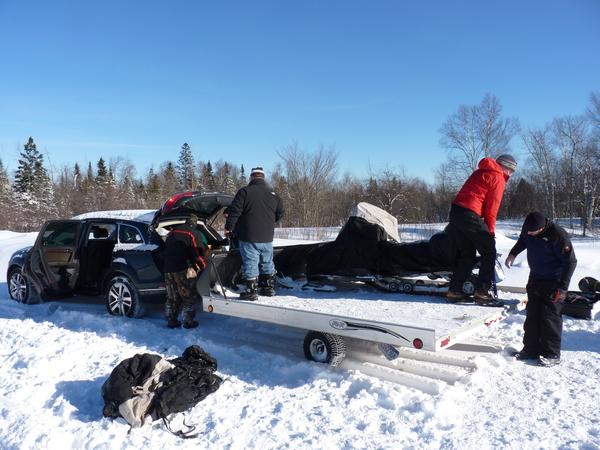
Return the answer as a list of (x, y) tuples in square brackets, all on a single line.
[(18, 286), (122, 298)]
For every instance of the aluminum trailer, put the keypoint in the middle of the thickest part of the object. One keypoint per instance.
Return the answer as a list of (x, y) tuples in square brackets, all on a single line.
[(424, 324)]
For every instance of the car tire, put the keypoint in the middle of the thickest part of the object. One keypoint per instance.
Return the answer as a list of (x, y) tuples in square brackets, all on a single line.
[(19, 287), (123, 298)]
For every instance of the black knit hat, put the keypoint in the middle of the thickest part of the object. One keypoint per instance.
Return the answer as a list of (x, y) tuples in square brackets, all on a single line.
[(534, 221), (507, 161)]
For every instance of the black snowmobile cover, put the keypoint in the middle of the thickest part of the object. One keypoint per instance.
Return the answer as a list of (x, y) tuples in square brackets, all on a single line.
[(354, 251), (363, 248), (436, 255)]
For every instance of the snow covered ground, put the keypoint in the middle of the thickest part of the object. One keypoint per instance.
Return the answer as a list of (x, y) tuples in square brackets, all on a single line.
[(55, 357)]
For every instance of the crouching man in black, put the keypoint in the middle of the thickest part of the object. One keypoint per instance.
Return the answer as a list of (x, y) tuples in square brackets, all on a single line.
[(184, 250), (551, 261)]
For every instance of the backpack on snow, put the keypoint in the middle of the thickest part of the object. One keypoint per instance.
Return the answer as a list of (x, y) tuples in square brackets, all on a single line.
[(148, 385)]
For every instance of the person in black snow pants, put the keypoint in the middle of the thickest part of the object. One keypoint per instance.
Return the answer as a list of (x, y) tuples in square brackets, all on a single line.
[(252, 216), (552, 262), (184, 261)]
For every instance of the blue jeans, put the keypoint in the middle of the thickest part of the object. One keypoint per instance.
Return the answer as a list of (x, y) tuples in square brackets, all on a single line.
[(257, 258)]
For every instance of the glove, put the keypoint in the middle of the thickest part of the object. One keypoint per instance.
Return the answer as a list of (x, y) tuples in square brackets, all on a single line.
[(510, 259), (559, 296)]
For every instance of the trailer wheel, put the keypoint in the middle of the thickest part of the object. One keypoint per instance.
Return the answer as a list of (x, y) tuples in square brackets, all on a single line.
[(393, 286), (407, 287), (324, 348)]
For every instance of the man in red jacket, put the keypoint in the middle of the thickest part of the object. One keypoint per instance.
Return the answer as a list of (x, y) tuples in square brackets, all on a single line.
[(472, 225)]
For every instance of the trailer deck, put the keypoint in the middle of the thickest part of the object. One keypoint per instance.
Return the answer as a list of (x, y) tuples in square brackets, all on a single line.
[(422, 323)]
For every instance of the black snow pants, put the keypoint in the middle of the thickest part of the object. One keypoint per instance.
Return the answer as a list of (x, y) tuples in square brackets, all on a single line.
[(470, 234), (543, 323)]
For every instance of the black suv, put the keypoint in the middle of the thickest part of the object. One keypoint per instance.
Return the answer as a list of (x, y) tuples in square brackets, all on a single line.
[(120, 259)]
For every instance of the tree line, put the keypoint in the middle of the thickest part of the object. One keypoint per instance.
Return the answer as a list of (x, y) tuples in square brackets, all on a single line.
[(558, 175)]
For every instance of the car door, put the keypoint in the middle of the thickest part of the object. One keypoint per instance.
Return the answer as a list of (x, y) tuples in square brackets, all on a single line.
[(53, 266)]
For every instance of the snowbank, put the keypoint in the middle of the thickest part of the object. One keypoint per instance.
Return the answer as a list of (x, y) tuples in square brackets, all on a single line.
[(55, 357)]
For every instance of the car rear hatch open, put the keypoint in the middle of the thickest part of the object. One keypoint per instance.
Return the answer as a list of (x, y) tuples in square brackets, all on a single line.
[(206, 206)]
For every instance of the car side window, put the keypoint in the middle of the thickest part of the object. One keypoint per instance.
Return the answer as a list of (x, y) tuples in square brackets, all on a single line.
[(102, 231), (60, 234), (129, 235)]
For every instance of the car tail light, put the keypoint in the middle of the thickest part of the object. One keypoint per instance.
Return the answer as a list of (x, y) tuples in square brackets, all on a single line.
[(173, 200)]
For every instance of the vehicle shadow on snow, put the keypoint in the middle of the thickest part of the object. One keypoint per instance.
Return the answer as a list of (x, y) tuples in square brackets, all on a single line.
[(82, 395)]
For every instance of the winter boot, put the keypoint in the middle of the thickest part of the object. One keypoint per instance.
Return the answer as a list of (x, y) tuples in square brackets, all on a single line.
[(484, 296), (172, 322), (188, 319), (266, 285), (250, 292), (190, 324), (524, 355), (549, 361), (454, 296)]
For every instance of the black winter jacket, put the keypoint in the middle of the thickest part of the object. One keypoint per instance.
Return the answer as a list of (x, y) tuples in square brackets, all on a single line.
[(254, 211), (550, 254), (184, 248)]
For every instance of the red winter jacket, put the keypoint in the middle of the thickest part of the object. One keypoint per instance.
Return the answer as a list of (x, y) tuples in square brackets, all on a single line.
[(482, 192)]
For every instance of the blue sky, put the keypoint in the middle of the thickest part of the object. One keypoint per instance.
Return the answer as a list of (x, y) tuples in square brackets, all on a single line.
[(240, 80)]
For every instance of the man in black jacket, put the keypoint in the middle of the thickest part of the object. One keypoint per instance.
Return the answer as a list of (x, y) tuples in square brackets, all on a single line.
[(552, 262), (252, 215), (184, 260)]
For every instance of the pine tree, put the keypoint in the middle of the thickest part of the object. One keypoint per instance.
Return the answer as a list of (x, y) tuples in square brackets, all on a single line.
[(241, 181), (170, 185), (228, 184), (208, 178), (185, 168), (105, 186), (76, 176), (90, 173), (153, 190), (127, 193), (101, 172), (24, 176)]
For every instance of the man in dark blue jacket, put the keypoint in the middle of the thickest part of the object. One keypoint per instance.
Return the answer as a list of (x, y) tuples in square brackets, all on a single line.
[(552, 262), (252, 214)]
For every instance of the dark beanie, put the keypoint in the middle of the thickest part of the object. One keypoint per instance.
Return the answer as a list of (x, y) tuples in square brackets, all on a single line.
[(507, 161), (534, 221)]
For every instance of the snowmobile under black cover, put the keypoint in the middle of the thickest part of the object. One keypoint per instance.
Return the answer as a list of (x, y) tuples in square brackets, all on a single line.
[(362, 248)]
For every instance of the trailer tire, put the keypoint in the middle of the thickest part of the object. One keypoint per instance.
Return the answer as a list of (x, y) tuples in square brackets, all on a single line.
[(407, 287), (324, 348), (393, 286)]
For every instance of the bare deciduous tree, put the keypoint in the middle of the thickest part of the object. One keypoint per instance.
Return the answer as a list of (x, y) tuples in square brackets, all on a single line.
[(474, 132), (569, 135), (308, 176), (538, 145)]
